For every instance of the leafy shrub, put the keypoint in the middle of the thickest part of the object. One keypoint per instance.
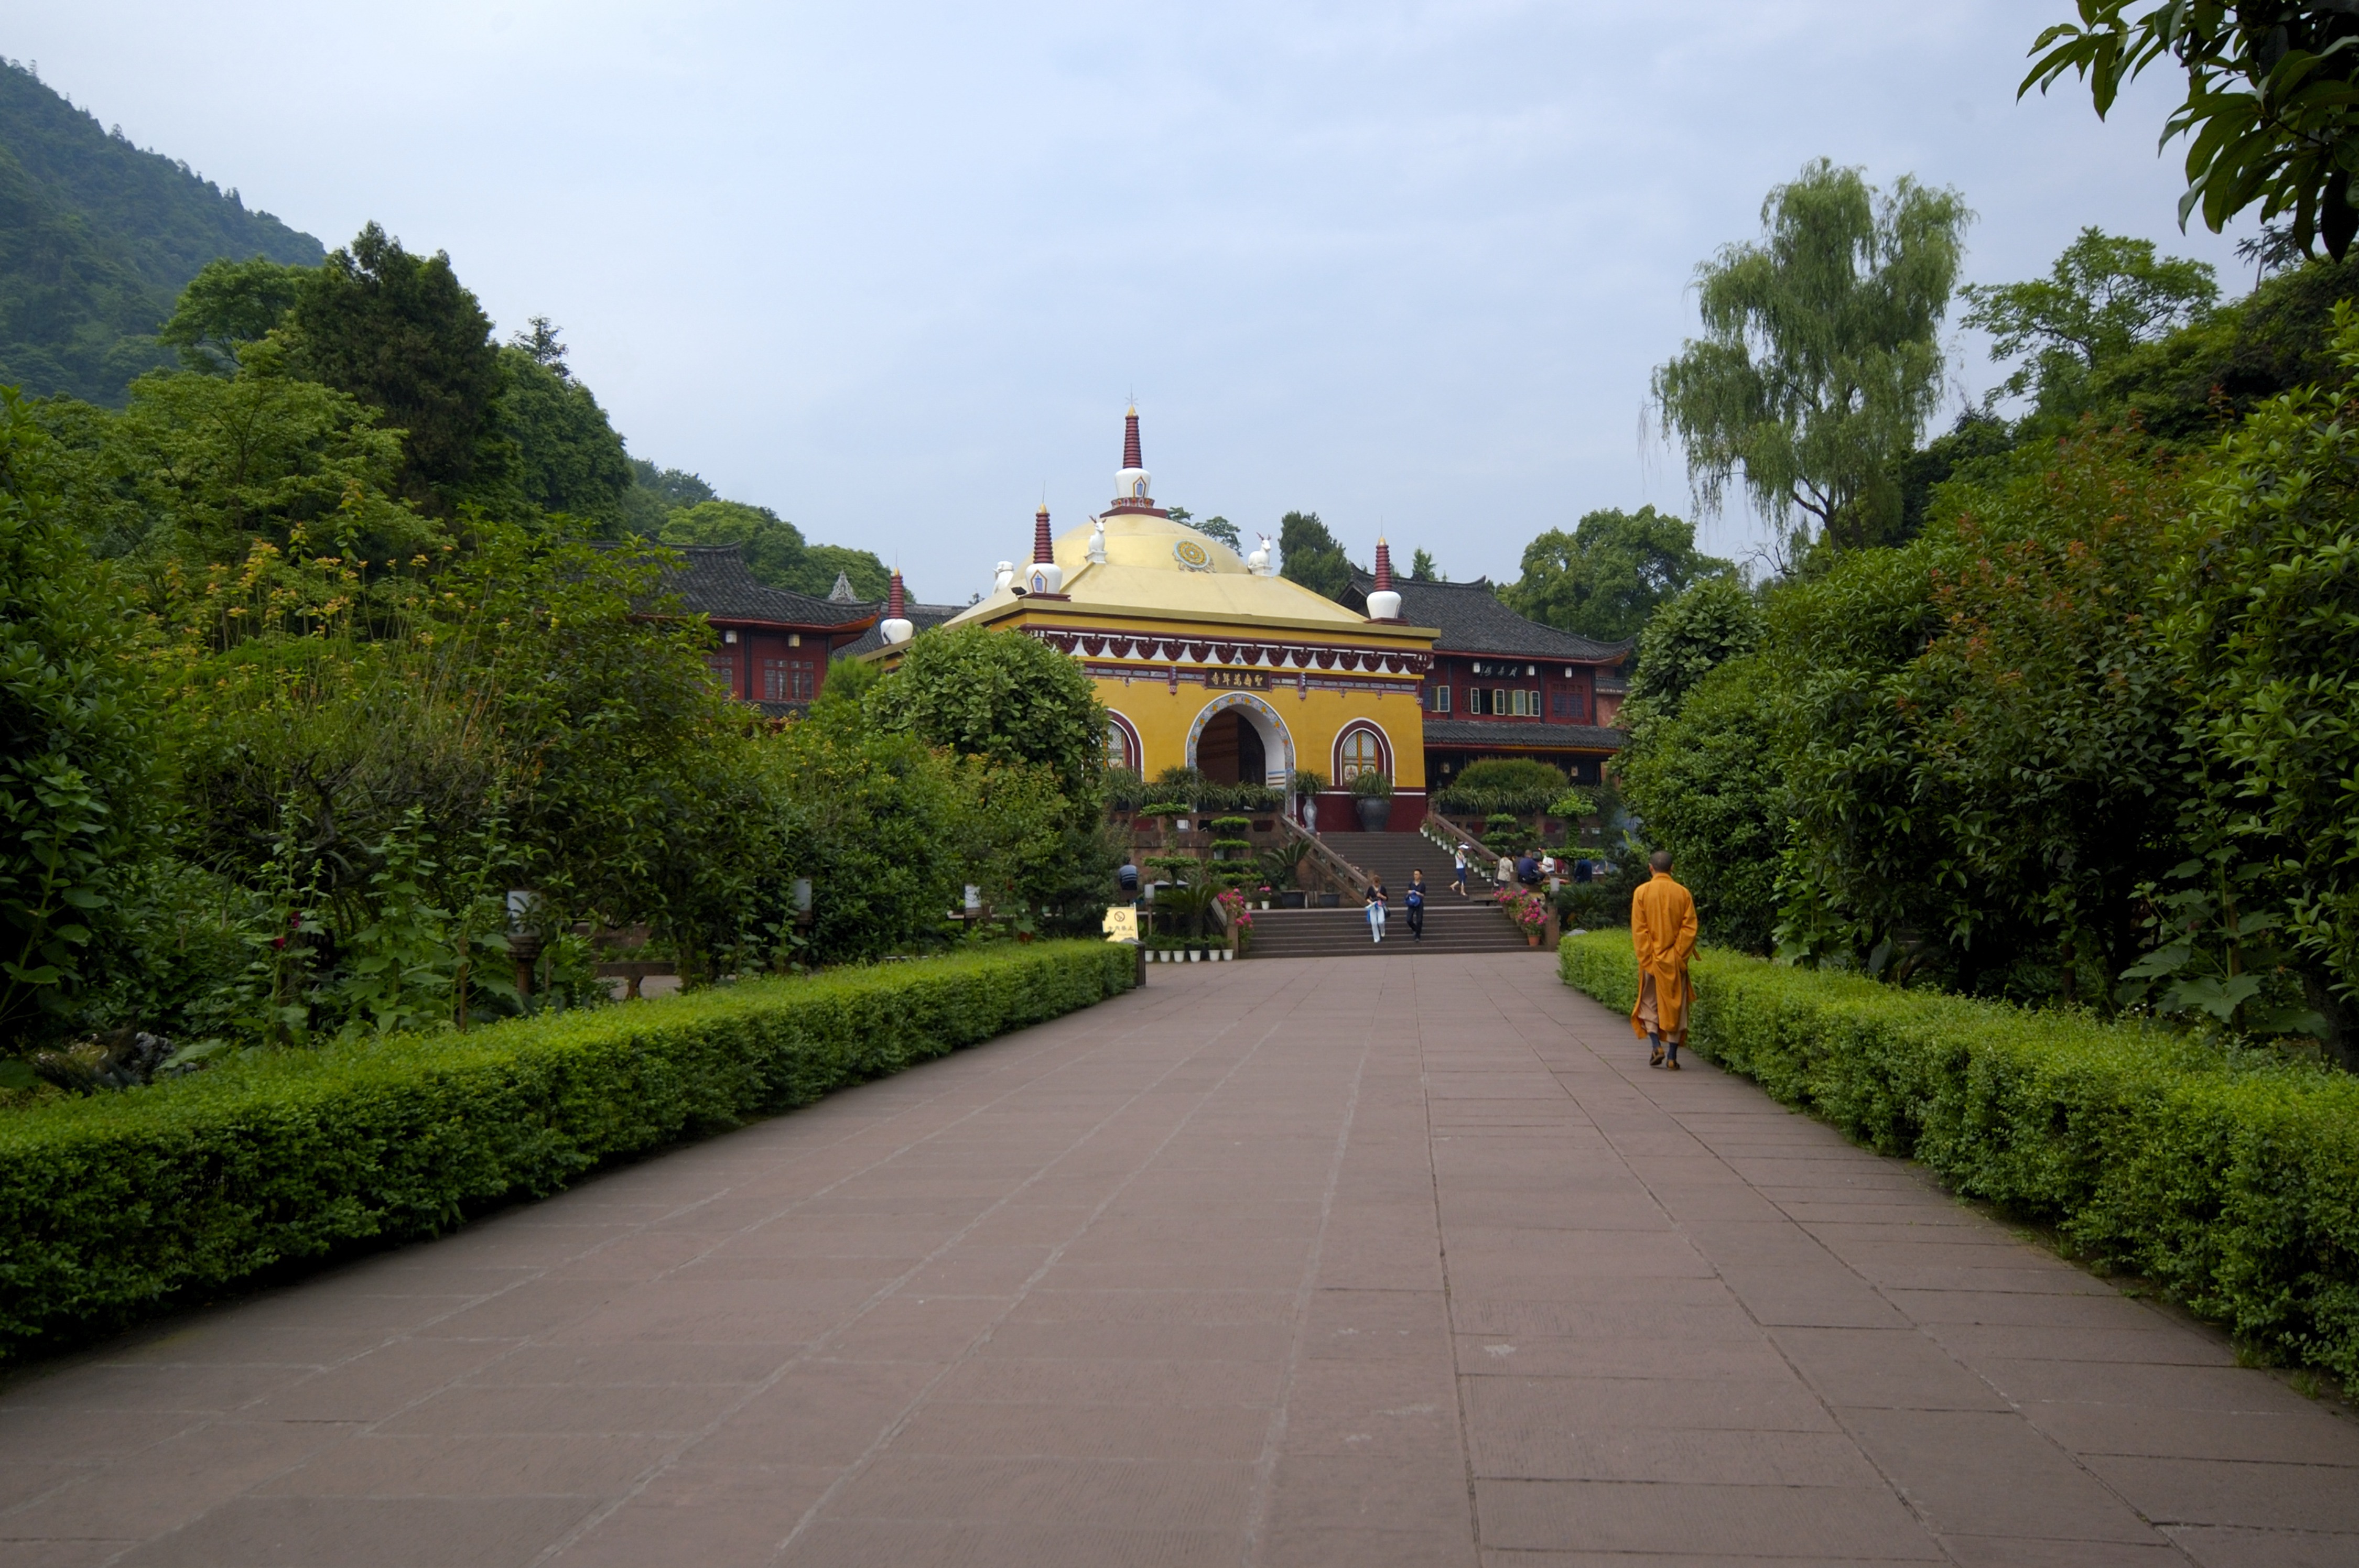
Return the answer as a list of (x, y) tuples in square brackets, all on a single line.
[(77, 737), (1517, 786), (112, 1208), (2224, 1174), (1372, 785), (1124, 790)]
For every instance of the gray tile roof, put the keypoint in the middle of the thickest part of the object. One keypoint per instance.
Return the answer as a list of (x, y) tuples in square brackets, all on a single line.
[(1510, 735), (712, 581), (1472, 621), (924, 617)]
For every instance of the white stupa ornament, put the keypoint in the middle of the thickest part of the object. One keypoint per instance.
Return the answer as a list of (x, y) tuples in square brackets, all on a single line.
[(1259, 560), (1097, 544), (896, 628), (1043, 575), (1384, 604), (1004, 574)]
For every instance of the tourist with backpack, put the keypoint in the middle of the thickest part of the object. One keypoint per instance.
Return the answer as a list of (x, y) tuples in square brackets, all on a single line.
[(1415, 901)]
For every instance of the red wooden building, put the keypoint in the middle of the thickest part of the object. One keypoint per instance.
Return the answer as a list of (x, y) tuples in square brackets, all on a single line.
[(774, 645), (1502, 686)]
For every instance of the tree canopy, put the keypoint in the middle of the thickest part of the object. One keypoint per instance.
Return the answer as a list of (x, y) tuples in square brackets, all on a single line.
[(2104, 296), (1821, 359), (1605, 577), (2271, 114), (402, 334), (1309, 555)]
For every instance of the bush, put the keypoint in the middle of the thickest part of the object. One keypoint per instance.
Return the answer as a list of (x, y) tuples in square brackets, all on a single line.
[(2225, 1175), (113, 1207), (78, 738), (1517, 786)]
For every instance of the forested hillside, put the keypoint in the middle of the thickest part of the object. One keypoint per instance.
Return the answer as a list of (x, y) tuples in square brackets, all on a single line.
[(97, 239)]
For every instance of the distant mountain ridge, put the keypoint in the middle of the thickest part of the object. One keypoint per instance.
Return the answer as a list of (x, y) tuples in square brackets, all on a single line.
[(97, 239)]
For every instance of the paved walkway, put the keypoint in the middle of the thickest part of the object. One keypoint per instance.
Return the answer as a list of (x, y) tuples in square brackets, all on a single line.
[(1344, 1261)]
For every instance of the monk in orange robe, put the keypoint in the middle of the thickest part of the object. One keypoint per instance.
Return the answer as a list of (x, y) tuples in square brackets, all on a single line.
[(1663, 932)]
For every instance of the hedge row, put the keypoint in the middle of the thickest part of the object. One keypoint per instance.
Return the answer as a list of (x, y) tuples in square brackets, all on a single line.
[(114, 1205), (2231, 1178)]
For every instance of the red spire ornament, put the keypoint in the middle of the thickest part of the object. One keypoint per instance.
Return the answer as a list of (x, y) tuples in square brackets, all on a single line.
[(1043, 576), (896, 628), (1384, 604), (1134, 486)]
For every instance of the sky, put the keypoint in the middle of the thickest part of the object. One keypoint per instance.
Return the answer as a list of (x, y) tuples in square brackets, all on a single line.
[(894, 270)]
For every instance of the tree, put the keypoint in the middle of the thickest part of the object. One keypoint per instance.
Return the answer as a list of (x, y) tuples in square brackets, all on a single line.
[(773, 548), (1422, 569), (402, 334), (1702, 773), (1717, 620), (1309, 555), (2272, 108), (228, 305), (1980, 731), (2104, 296), (1605, 577), (1820, 362), (1001, 696), (568, 458), (2265, 619), (77, 749), (1220, 528)]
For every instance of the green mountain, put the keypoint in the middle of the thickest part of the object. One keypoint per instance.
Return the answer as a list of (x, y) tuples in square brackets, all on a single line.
[(97, 239)]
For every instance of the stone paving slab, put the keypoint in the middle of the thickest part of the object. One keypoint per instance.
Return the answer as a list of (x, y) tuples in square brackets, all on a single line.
[(1299, 1262)]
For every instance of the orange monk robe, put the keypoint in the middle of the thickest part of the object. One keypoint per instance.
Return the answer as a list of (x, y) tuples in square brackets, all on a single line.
[(1663, 932)]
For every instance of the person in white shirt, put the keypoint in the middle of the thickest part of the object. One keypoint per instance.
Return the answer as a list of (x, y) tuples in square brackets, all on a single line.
[(1458, 877)]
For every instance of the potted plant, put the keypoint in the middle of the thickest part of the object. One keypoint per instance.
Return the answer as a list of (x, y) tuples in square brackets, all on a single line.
[(1307, 783), (1372, 798), (1528, 911)]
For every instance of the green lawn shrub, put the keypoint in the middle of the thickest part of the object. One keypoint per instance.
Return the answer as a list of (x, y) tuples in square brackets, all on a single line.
[(2229, 1177), (116, 1205)]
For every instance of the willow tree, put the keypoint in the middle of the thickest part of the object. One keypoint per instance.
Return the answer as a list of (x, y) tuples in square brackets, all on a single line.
[(1819, 360)]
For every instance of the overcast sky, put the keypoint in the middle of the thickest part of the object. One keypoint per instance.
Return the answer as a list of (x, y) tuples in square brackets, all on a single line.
[(893, 270)]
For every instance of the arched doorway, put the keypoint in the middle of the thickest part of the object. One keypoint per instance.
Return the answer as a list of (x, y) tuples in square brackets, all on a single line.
[(1260, 740), (1230, 750)]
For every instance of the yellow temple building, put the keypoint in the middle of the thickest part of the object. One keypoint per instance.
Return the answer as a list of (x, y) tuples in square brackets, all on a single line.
[(1208, 660)]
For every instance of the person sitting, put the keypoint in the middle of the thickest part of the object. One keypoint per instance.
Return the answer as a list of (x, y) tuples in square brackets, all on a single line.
[(1127, 879), (1528, 869)]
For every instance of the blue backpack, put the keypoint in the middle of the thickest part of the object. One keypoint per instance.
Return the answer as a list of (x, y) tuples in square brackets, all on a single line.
[(1415, 896)]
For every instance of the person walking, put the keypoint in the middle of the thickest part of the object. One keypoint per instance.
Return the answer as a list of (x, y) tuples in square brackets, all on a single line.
[(1415, 898), (1375, 901), (1458, 873), (1663, 935)]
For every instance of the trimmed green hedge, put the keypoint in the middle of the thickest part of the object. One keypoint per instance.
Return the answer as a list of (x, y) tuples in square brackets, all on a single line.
[(2230, 1178), (114, 1205)]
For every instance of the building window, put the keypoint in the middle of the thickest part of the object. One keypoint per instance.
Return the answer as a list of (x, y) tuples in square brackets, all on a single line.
[(1117, 747), (788, 680), (1500, 707), (724, 670), (1474, 703), (1573, 705), (1437, 698), (1361, 753)]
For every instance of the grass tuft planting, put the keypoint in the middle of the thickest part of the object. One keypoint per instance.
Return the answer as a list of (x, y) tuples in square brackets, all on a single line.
[(116, 1207), (2230, 1178)]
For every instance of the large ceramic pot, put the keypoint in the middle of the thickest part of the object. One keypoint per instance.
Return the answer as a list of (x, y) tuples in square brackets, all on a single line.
[(1375, 811)]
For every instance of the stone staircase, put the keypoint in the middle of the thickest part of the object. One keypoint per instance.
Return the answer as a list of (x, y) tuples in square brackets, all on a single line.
[(1452, 924)]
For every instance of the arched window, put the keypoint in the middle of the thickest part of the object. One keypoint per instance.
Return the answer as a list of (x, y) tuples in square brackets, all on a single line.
[(1361, 751), (1121, 746)]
